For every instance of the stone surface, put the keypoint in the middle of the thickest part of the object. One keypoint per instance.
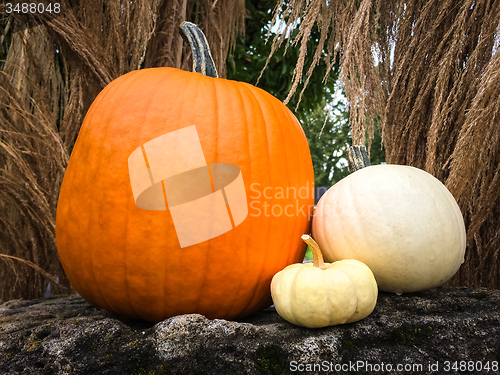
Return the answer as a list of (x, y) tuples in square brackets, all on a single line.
[(422, 332)]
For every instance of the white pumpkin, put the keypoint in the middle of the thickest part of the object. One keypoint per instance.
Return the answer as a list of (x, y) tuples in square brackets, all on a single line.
[(317, 295), (400, 221)]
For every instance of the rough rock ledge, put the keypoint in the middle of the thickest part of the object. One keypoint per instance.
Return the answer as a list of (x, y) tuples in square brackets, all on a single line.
[(426, 333)]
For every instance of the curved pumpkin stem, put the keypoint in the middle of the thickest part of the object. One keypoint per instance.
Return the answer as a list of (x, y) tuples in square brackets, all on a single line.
[(317, 256), (357, 158), (202, 58)]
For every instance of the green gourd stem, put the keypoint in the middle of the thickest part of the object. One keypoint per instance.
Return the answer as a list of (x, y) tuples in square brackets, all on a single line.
[(317, 256), (357, 158), (202, 58)]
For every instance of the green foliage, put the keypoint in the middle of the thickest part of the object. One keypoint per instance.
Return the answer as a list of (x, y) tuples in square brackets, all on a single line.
[(326, 126), (327, 140), (246, 61), (309, 254)]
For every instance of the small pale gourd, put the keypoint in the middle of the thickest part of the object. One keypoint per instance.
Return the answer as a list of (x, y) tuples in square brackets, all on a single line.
[(319, 294)]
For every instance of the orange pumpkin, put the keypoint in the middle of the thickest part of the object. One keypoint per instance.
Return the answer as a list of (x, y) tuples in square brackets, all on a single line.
[(132, 235)]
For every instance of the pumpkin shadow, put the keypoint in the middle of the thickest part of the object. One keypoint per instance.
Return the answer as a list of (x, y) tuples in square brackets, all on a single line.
[(134, 324)]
